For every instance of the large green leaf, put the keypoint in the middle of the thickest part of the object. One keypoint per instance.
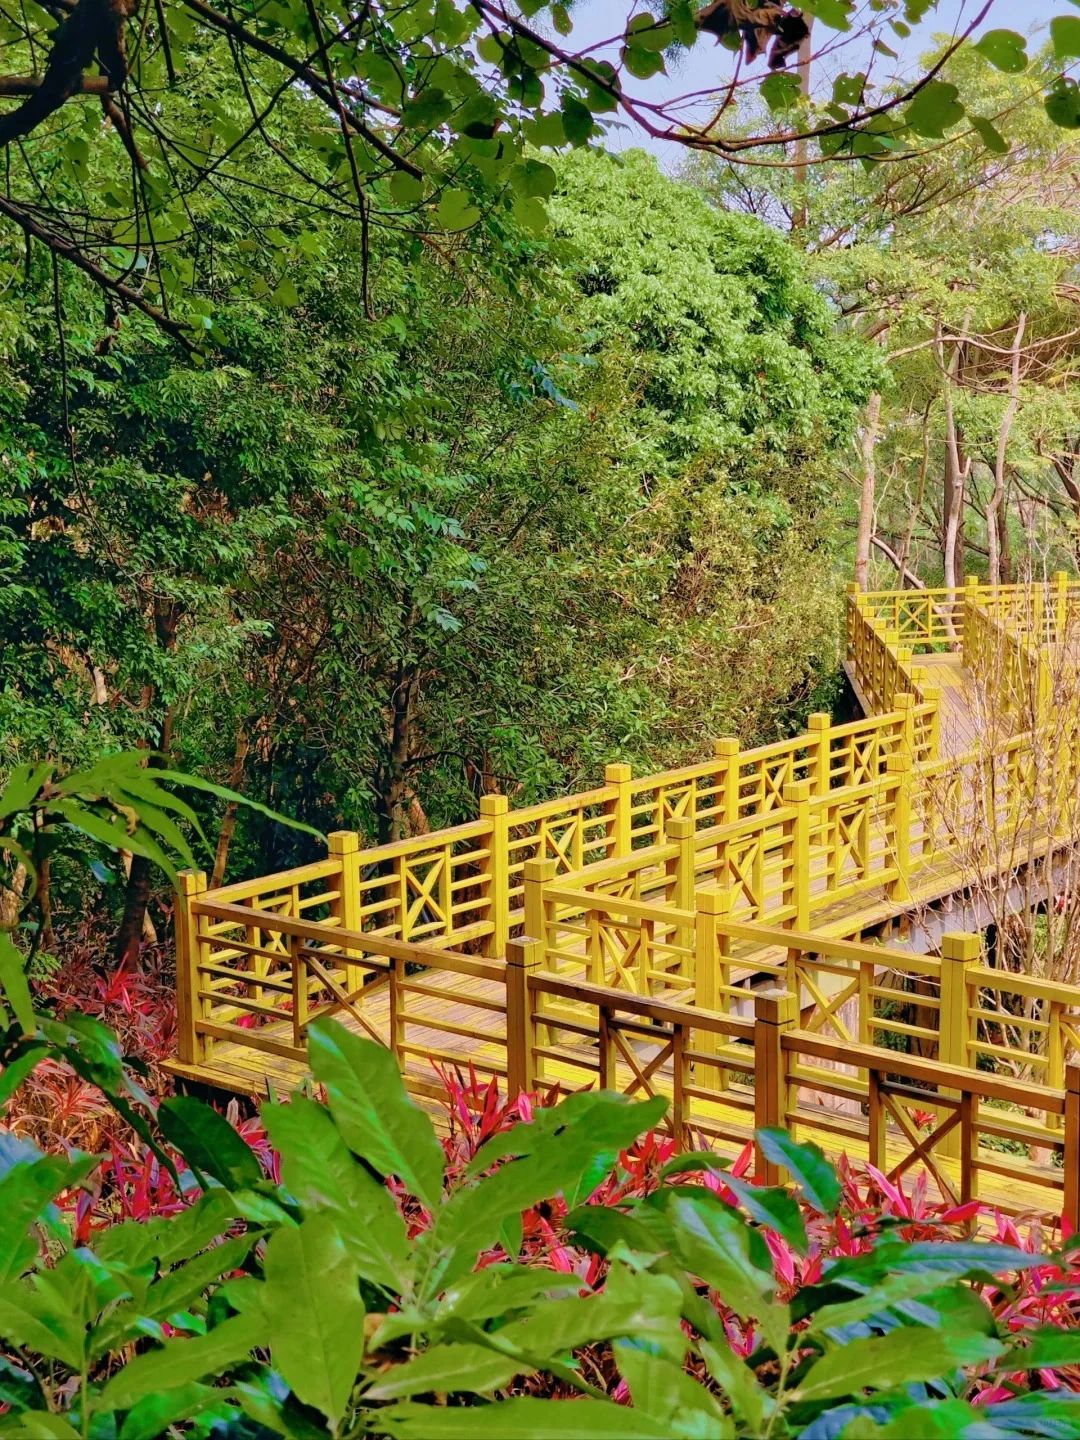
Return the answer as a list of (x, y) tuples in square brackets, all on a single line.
[(1005, 49), (14, 983), (372, 1110), (312, 1301), (566, 1151), (178, 1362), (887, 1361), (26, 1190), (806, 1164), (935, 109), (632, 1303), (716, 1244), (320, 1171), (1065, 36), (772, 1207), (522, 1418), (448, 1368), (208, 1142)]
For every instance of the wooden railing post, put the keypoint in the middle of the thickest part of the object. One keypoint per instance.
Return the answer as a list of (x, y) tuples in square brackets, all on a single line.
[(344, 845), (726, 750), (775, 1013), (1070, 1209), (190, 1046), (900, 765), (680, 830), (524, 958), (619, 807), (819, 725), (537, 875), (300, 998), (796, 794), (960, 950), (496, 810), (711, 970)]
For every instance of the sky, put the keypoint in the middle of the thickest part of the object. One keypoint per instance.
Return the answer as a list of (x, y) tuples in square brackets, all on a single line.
[(708, 65)]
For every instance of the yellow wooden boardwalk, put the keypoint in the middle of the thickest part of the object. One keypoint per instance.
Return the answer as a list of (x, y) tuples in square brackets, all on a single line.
[(720, 933)]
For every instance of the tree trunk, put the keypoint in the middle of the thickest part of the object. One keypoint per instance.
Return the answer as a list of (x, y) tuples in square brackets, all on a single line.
[(228, 820), (956, 470), (167, 616), (995, 517), (865, 533), (800, 215), (391, 780)]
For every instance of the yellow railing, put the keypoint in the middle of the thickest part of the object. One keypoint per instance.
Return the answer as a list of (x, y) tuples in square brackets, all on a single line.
[(622, 935)]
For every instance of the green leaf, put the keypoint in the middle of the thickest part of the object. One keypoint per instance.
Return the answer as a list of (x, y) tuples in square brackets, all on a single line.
[(892, 1293), (38, 1426), (372, 1110), (285, 293), (994, 141), (154, 1414), (834, 13), (887, 1361), (456, 210), (716, 1244), (14, 983), (533, 177), (178, 1362), (578, 123), (208, 1142), (473, 1369), (633, 1304), (646, 32), (1005, 49), (935, 109), (565, 1150), (807, 1166), (1046, 1347), (772, 1207), (316, 1317), (780, 90), (1065, 36), (1063, 103), (27, 1188), (319, 1170), (522, 1418), (406, 189), (750, 1401), (23, 786)]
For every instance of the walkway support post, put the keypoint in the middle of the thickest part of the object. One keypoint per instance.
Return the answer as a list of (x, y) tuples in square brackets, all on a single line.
[(538, 874), (711, 972), (796, 793), (819, 724), (191, 1048), (344, 845), (1071, 1155), (960, 950), (899, 764), (618, 775), (524, 958), (726, 751), (496, 868), (680, 830), (775, 1015)]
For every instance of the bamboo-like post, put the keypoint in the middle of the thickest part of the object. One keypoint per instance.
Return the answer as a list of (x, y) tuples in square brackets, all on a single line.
[(819, 725), (618, 776), (190, 1045), (495, 809), (1070, 1209), (680, 830), (537, 875), (796, 794), (960, 950), (775, 1013), (344, 846), (524, 958)]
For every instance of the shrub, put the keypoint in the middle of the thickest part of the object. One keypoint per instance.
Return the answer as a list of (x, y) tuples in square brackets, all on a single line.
[(361, 1277)]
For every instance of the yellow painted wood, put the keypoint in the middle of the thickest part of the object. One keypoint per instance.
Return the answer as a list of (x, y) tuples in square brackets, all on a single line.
[(676, 890)]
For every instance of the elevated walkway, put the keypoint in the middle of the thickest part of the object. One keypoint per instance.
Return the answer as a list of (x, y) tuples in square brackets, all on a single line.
[(716, 932)]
